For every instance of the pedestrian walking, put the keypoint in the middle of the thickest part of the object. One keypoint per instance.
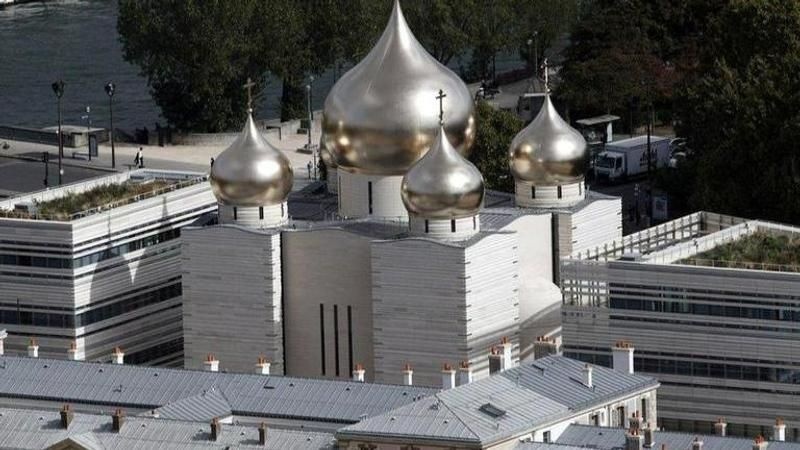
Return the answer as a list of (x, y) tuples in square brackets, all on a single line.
[(309, 166), (138, 161)]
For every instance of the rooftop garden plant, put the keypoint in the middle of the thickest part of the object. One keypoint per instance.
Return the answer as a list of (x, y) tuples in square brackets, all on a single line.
[(760, 250)]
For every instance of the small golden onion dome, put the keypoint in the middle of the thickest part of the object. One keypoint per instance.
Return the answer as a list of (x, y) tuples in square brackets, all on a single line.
[(326, 155), (443, 184), (378, 118), (251, 172), (548, 151)]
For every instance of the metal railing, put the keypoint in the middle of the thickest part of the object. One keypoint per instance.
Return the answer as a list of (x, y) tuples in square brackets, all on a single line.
[(173, 186)]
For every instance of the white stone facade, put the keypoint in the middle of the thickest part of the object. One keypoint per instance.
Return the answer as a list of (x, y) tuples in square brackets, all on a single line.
[(374, 196), (444, 229), (254, 216), (232, 291), (528, 195)]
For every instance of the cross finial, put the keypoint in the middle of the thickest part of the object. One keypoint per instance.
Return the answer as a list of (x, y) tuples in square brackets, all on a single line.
[(249, 87), (545, 65), (441, 97)]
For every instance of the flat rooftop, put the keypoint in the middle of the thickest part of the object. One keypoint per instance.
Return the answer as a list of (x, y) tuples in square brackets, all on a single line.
[(76, 200)]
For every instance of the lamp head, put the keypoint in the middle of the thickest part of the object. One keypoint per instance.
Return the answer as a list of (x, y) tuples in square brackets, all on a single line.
[(58, 88), (110, 88)]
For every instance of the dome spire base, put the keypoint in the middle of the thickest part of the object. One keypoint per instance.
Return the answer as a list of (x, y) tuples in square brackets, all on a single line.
[(444, 229), (530, 195), (271, 216)]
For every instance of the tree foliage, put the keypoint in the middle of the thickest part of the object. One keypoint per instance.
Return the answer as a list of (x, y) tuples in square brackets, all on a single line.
[(739, 112), (197, 54), (495, 130)]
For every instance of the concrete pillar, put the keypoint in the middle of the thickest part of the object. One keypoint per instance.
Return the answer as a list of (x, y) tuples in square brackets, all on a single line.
[(408, 375), (622, 354), (358, 373), (464, 373), (211, 364), (587, 375), (448, 377), (118, 357), (33, 348), (262, 366), (779, 430)]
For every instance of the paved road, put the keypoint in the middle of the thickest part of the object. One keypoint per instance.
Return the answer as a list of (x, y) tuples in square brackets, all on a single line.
[(19, 176)]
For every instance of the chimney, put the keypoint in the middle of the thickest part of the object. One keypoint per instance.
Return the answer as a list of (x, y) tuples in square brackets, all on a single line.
[(211, 364), (3, 336), (72, 352), (358, 373), (623, 356), (408, 375), (464, 373), (587, 375), (759, 443), (779, 430), (495, 361), (448, 377), (66, 416), (636, 421), (544, 346), (697, 444), (117, 420), (721, 427), (216, 429), (506, 346), (262, 366), (633, 440), (262, 434), (33, 348), (118, 357), (649, 436)]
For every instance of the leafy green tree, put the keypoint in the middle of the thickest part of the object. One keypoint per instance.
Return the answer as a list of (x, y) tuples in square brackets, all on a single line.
[(196, 56), (495, 130), (739, 112)]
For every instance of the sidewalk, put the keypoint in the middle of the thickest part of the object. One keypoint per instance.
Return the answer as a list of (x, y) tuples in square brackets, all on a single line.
[(173, 157)]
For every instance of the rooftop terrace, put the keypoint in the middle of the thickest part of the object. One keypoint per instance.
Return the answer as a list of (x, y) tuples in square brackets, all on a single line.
[(762, 250), (77, 200)]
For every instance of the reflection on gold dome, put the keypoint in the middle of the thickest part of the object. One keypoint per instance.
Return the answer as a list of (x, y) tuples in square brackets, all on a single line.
[(378, 118), (442, 185), (251, 172), (548, 151)]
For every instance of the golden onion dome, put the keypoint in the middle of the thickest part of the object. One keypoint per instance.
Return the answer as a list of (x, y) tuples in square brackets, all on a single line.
[(251, 172), (378, 118), (442, 184), (548, 151), (326, 155)]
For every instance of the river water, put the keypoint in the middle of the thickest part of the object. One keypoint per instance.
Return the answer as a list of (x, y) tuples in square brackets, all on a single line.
[(77, 41)]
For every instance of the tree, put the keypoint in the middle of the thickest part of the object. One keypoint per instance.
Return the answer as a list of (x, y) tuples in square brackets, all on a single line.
[(495, 130), (739, 112), (196, 57)]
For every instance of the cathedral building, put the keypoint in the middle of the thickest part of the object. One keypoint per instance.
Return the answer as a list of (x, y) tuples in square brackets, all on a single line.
[(403, 260)]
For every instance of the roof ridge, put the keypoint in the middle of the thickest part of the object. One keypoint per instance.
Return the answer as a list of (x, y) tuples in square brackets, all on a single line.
[(441, 401)]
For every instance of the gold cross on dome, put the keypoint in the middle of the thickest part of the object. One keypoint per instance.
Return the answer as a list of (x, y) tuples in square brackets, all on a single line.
[(249, 87), (441, 97), (545, 65)]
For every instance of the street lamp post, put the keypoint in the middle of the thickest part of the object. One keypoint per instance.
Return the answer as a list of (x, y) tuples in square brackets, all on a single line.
[(311, 126), (58, 89), (110, 92), (88, 118)]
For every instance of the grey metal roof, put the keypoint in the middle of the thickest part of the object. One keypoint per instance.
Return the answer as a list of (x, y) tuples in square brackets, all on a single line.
[(33, 429), (604, 438), (255, 395), (198, 408), (525, 397)]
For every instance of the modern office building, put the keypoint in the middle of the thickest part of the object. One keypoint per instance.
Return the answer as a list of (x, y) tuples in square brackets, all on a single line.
[(720, 332), (96, 265), (405, 259)]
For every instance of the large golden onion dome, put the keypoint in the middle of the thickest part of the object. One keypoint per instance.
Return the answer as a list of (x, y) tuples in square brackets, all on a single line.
[(442, 184), (251, 172), (548, 151), (326, 155), (378, 118)]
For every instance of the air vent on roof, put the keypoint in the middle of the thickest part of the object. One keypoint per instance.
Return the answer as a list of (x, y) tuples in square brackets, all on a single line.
[(492, 410)]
